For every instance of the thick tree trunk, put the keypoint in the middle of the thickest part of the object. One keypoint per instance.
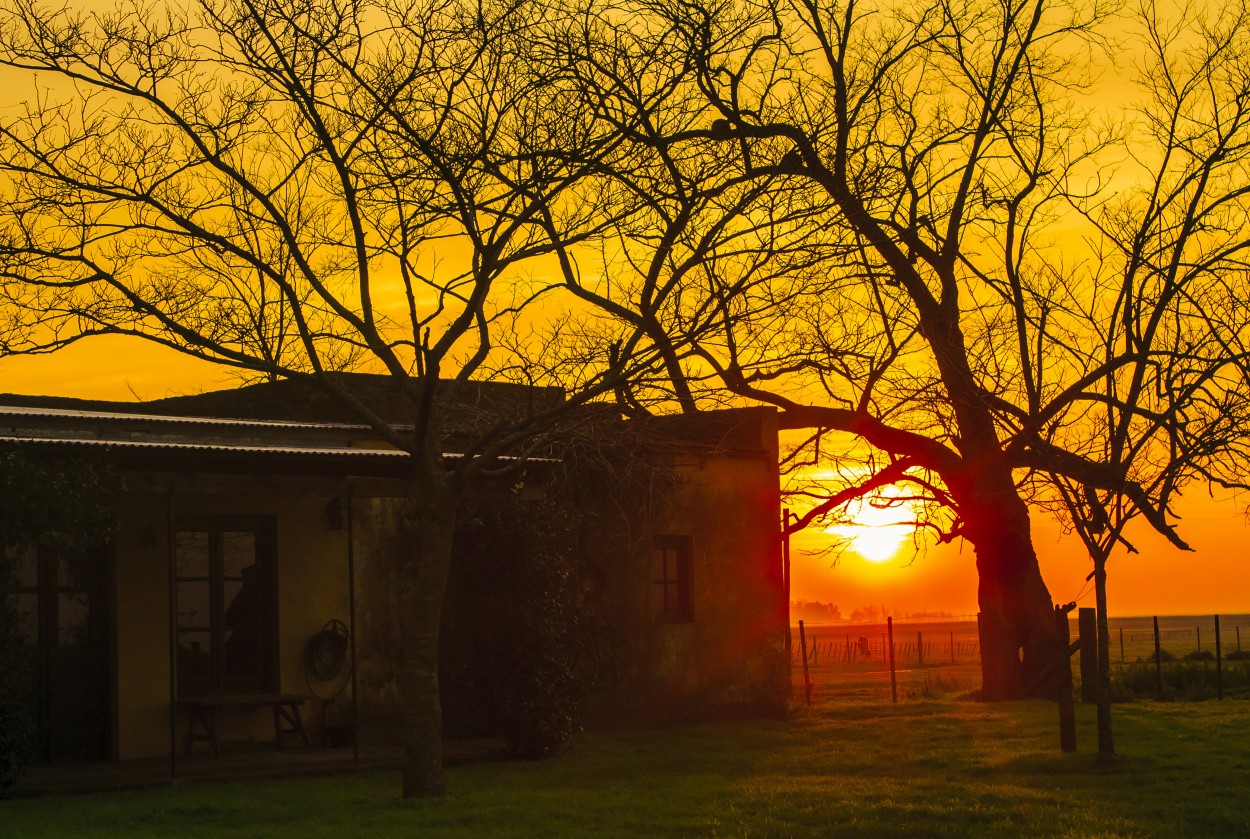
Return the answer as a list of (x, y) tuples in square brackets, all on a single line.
[(1017, 616), (423, 582)]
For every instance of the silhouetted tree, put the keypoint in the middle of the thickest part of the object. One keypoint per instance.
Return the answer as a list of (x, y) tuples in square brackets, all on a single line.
[(1175, 267), (863, 213), (293, 189)]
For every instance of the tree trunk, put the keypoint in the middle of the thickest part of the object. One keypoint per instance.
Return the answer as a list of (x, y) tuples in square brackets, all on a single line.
[(423, 582), (1017, 616), (1106, 743)]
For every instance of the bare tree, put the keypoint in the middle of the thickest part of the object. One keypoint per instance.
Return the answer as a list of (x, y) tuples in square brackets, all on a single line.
[(929, 290), (293, 189), (1176, 270), (916, 147)]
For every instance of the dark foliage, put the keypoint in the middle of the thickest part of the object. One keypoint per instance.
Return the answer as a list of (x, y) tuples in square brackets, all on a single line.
[(16, 722), (510, 650), (54, 498), (51, 499)]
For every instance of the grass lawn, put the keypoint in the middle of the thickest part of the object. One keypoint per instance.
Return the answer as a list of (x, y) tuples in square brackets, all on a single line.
[(922, 768)]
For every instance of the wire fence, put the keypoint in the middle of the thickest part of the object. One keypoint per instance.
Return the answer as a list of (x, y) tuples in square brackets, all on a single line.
[(932, 658)]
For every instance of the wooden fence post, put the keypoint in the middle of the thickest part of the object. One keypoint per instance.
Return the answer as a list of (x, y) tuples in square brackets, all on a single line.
[(1087, 627), (1199, 630), (1121, 644), (1219, 667), (952, 647), (919, 648), (1067, 706), (1158, 663), (807, 679), (785, 573), (889, 628)]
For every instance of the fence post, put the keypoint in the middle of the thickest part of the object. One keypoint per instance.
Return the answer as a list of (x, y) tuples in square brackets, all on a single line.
[(807, 679), (980, 637), (1158, 663), (1199, 629), (1087, 627), (1121, 645), (1067, 706), (1219, 667), (952, 647), (785, 574), (889, 628), (919, 648), (1239, 638)]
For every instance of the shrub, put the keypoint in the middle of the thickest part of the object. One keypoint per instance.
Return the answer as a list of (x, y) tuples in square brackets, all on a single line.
[(511, 668), (17, 727)]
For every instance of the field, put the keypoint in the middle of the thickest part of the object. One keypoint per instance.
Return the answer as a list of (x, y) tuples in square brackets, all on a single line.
[(924, 767), (935, 657)]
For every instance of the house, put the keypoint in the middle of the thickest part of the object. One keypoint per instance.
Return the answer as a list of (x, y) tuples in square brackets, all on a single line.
[(252, 553)]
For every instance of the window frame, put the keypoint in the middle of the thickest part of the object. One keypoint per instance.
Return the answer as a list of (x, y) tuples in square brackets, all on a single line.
[(264, 530), (672, 586)]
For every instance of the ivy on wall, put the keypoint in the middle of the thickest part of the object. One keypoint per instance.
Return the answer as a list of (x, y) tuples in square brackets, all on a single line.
[(58, 500)]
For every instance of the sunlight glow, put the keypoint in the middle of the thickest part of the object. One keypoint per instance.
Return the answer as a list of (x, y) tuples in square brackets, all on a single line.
[(875, 533)]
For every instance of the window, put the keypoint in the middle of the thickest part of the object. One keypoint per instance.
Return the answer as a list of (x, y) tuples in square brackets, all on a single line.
[(227, 629), (673, 588)]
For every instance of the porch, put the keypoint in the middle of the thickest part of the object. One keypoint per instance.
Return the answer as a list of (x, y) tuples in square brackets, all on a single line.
[(108, 775)]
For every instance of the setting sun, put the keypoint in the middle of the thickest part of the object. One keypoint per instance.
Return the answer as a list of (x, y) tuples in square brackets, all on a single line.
[(875, 532)]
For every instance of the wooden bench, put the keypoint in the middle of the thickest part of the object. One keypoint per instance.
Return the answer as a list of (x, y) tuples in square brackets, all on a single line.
[(203, 709)]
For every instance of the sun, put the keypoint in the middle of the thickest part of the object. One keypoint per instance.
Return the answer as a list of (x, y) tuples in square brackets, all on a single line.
[(875, 533)]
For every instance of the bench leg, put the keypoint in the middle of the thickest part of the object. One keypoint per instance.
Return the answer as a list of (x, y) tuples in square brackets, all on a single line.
[(288, 712), (207, 719)]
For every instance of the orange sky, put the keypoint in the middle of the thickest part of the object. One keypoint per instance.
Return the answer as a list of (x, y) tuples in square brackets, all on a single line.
[(1159, 580)]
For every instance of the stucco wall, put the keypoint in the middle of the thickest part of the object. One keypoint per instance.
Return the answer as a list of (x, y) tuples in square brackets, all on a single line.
[(730, 658)]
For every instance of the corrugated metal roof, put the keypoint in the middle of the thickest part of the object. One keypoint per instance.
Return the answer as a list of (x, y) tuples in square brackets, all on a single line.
[(285, 449), (211, 447), (118, 416)]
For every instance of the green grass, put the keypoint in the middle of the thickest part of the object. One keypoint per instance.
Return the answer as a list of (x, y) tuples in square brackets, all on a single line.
[(922, 768)]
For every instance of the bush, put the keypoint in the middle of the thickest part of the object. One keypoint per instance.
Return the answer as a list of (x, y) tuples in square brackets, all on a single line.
[(510, 654), (17, 726)]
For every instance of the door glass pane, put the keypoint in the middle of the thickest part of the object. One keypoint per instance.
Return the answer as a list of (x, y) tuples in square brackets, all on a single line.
[(191, 553), (27, 617), (72, 569), (243, 660), (194, 609), (238, 552), (242, 603), (26, 566), (195, 663), (72, 614)]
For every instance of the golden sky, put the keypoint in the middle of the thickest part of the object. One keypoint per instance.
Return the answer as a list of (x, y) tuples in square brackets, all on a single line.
[(1160, 580)]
